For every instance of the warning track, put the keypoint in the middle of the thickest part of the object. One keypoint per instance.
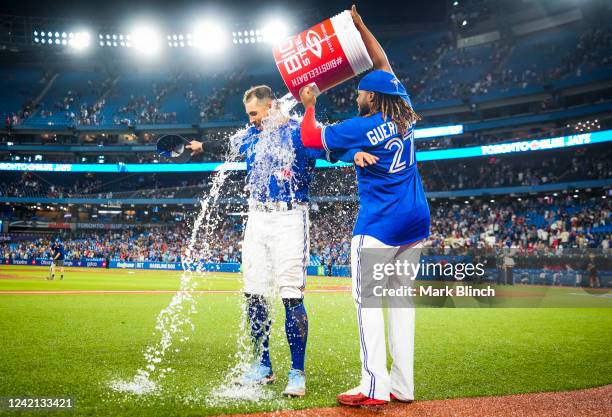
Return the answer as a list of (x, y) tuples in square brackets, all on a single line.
[(593, 402)]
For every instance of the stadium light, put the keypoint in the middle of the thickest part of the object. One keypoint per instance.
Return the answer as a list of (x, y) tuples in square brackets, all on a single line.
[(208, 37), (274, 32), (80, 41), (146, 40)]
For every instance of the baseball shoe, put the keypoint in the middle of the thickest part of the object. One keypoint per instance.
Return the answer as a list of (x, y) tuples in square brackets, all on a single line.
[(296, 387), (394, 398), (354, 398), (257, 375)]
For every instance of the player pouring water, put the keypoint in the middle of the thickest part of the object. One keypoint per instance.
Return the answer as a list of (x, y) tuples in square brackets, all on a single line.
[(393, 215), (276, 240)]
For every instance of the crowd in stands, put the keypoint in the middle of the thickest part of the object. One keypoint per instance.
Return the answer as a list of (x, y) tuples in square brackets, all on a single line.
[(142, 109), (167, 244), (572, 165), (430, 72), (330, 234), (532, 224), (76, 109), (499, 172), (485, 172), (30, 185), (17, 117), (211, 106), (435, 79)]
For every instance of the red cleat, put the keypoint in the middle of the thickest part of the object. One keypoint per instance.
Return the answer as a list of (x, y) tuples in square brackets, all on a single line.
[(359, 400), (394, 398)]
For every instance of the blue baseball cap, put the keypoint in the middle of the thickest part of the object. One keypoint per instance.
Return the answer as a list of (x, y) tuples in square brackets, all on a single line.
[(383, 82)]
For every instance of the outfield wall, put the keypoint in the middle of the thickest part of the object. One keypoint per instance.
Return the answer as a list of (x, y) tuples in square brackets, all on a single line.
[(89, 263), (520, 275), (337, 270)]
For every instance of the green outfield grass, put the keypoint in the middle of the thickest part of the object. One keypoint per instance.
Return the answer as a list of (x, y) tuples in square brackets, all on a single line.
[(73, 345)]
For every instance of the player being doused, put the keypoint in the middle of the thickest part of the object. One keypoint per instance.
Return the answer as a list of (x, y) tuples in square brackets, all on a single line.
[(275, 250)]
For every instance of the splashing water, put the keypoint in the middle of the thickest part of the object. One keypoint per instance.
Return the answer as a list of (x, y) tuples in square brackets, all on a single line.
[(287, 103), (173, 320), (275, 158)]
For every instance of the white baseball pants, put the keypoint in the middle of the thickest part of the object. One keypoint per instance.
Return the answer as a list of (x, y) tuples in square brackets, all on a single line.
[(376, 381), (275, 252)]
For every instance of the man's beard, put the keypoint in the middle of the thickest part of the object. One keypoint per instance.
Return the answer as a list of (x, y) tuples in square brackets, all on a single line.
[(364, 109)]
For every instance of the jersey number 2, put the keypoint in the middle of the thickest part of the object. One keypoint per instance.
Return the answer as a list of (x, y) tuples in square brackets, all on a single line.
[(397, 164)]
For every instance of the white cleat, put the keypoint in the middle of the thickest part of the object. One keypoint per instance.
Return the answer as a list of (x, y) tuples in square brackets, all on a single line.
[(296, 386)]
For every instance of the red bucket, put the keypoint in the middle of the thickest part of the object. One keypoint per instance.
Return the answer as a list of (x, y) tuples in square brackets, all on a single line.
[(325, 55)]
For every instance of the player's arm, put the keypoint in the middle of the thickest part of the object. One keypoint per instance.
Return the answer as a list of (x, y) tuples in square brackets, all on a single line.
[(376, 52), (195, 147), (347, 156), (357, 156), (309, 131), (340, 137), (363, 159)]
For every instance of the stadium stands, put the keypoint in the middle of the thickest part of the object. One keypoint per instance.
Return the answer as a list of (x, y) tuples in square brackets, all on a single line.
[(437, 75), (542, 83), (535, 224)]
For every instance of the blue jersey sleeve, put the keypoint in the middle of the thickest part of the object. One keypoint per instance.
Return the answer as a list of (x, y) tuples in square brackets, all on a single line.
[(333, 157), (347, 156), (350, 134), (341, 155)]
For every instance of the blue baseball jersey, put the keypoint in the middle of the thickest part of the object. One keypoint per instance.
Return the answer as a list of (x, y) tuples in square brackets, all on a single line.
[(58, 248), (282, 170), (393, 207)]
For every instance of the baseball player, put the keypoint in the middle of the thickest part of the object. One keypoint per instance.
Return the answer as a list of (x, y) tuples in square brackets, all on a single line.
[(276, 240), (393, 214), (57, 259)]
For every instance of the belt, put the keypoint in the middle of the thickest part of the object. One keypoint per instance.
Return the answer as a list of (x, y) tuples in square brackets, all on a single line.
[(272, 206)]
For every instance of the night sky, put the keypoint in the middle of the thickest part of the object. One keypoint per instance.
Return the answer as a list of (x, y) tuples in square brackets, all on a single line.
[(116, 11)]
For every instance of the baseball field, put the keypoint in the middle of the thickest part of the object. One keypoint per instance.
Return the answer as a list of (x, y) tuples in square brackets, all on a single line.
[(72, 338)]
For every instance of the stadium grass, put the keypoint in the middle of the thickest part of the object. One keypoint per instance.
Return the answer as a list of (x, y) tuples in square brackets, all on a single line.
[(73, 345)]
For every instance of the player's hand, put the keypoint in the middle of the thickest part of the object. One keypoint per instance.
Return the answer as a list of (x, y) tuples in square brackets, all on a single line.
[(308, 97), (195, 147), (363, 159), (357, 20)]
